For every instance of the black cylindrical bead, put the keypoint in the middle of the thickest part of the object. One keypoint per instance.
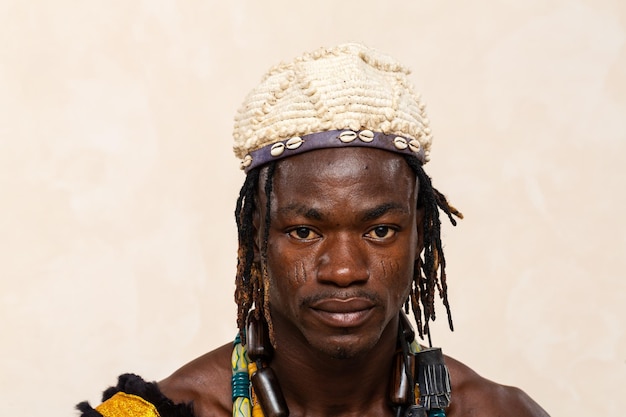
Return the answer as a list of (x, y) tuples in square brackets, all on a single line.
[(268, 393), (258, 343), (400, 389)]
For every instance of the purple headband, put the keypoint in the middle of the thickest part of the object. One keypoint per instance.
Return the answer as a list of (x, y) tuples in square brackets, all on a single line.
[(332, 139)]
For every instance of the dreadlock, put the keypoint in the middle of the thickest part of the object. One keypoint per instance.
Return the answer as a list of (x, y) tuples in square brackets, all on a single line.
[(252, 279), (425, 276)]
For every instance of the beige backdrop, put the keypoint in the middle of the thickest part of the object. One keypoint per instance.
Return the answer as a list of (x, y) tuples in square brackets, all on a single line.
[(117, 184)]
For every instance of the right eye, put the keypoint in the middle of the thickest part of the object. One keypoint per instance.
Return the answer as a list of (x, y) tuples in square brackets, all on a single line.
[(303, 233)]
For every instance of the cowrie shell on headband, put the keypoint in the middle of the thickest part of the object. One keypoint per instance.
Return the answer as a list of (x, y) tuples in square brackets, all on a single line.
[(277, 149), (400, 143), (247, 160), (347, 136), (414, 145), (294, 143), (366, 135)]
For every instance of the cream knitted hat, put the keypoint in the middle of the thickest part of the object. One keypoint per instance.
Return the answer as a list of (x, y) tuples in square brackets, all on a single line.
[(349, 95)]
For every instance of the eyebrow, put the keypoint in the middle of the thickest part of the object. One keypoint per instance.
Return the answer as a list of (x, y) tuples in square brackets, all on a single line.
[(381, 210), (302, 210)]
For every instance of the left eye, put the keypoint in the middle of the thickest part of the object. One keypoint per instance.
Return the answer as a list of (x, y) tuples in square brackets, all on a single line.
[(381, 232)]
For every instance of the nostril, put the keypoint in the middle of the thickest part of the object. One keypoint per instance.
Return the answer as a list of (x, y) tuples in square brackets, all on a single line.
[(343, 267)]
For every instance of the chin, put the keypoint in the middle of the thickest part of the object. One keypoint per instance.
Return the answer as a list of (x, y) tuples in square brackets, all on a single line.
[(344, 347)]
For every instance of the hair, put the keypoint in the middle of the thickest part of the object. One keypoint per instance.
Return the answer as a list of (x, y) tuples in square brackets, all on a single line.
[(429, 273)]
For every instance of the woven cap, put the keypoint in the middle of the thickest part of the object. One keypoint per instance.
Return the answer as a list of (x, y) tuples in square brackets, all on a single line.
[(349, 95)]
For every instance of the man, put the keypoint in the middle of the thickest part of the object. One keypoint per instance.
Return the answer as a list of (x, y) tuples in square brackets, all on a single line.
[(338, 238)]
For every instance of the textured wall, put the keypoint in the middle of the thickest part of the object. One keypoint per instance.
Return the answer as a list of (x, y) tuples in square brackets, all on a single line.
[(117, 183)]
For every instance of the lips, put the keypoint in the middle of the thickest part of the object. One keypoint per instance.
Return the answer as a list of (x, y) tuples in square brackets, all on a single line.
[(339, 312)]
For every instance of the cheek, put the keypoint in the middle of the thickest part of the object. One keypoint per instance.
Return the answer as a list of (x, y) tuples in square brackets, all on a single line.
[(286, 272), (287, 276), (286, 284), (397, 276)]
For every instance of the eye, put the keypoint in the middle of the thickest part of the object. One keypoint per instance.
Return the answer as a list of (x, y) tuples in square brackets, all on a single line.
[(303, 233), (381, 232)]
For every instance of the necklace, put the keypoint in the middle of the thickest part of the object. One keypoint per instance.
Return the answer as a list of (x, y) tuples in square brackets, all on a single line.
[(420, 385)]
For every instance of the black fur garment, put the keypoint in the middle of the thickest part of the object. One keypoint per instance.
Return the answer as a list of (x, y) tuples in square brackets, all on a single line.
[(149, 391)]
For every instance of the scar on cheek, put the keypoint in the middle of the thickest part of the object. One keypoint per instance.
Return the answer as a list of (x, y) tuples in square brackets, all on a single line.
[(300, 272), (389, 268)]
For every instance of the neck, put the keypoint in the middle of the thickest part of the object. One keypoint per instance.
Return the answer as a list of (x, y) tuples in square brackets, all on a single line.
[(314, 383)]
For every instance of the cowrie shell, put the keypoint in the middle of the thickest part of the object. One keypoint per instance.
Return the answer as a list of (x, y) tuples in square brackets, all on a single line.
[(347, 136), (400, 143), (247, 160), (414, 145), (277, 149), (294, 143), (366, 135)]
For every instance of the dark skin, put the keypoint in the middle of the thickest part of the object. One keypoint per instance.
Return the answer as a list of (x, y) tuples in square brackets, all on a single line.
[(344, 237)]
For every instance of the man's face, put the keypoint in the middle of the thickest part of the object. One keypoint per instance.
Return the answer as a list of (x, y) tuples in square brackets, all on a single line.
[(342, 245)]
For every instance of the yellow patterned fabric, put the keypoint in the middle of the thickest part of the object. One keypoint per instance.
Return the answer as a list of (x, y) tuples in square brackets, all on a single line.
[(127, 405)]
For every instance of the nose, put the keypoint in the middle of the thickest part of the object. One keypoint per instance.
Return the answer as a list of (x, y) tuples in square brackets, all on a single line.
[(343, 262)]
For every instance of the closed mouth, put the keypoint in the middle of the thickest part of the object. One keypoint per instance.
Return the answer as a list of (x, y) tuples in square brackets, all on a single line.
[(339, 312)]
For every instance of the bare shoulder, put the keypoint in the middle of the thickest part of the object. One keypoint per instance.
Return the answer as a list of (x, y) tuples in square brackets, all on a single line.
[(205, 382), (473, 395)]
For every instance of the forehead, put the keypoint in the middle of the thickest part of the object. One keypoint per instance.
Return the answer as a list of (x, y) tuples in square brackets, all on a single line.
[(339, 174)]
